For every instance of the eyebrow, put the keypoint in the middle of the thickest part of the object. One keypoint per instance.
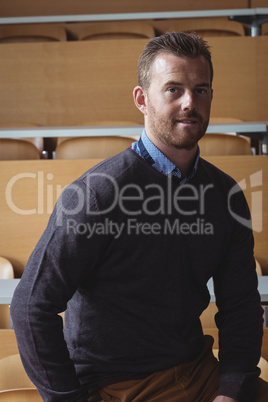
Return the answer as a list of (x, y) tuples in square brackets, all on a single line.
[(203, 84)]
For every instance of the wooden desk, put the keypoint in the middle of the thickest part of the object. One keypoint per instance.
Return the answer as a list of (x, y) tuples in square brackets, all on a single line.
[(257, 130), (131, 16), (7, 288), (254, 17)]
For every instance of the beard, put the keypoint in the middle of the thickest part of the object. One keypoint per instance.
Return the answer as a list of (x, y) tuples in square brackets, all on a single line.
[(169, 131)]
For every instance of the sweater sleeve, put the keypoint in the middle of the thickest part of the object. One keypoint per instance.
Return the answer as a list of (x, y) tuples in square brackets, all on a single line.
[(53, 273), (239, 318)]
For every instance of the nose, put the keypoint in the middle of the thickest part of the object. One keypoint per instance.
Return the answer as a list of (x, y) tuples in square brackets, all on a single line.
[(187, 101)]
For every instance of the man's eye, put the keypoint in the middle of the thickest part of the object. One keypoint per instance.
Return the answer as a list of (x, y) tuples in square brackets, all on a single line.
[(173, 90), (201, 91)]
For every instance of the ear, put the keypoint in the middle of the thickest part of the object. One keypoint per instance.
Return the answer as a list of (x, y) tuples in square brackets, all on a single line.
[(139, 95)]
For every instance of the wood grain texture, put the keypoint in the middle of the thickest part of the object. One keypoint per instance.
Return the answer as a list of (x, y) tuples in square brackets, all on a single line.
[(67, 83), (14, 8)]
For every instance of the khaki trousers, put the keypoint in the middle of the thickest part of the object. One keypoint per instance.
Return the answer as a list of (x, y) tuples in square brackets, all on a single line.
[(196, 381)]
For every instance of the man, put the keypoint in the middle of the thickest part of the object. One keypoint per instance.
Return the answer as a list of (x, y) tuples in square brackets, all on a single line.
[(128, 252)]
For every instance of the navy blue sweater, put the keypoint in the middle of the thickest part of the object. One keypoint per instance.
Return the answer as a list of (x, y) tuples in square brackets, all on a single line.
[(128, 253)]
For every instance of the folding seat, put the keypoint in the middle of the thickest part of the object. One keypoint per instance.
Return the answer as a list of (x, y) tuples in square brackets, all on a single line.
[(94, 147), (206, 27), (17, 149), (32, 33), (213, 144), (116, 30), (91, 147), (15, 385)]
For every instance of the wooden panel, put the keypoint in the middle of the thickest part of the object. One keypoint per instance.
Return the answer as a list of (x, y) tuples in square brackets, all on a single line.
[(13, 8), (47, 84), (4, 318), (8, 343), (259, 3), (261, 76), (235, 92), (69, 83), (31, 188)]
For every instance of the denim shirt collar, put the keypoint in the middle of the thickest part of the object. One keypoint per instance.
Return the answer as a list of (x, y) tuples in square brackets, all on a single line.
[(163, 164)]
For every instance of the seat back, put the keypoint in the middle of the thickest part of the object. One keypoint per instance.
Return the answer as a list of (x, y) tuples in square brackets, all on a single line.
[(224, 144), (21, 395), (92, 147), (208, 26), (32, 33), (37, 141), (8, 343), (6, 269), (17, 149), (264, 28), (116, 30), (12, 374), (100, 123)]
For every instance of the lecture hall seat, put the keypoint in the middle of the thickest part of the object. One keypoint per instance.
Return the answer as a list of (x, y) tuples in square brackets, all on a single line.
[(17, 149), (208, 27), (20, 395), (6, 269), (219, 144), (264, 29), (8, 343), (15, 385), (37, 141), (91, 147), (32, 33), (116, 30), (223, 144), (94, 147), (101, 123)]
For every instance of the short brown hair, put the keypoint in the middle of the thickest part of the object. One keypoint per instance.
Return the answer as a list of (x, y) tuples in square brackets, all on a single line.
[(181, 44)]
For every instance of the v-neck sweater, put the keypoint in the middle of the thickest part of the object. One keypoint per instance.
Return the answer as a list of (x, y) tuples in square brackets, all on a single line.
[(127, 253)]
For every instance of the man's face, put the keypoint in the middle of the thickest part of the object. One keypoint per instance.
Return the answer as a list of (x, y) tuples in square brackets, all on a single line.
[(178, 100)]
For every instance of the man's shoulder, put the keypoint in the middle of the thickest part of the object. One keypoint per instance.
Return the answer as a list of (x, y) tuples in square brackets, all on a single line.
[(101, 182), (114, 165), (117, 166), (116, 170)]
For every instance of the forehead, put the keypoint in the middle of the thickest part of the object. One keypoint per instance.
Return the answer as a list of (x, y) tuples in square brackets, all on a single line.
[(168, 66)]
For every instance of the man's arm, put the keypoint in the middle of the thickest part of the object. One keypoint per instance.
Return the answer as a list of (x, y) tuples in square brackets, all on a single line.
[(239, 318), (56, 268)]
